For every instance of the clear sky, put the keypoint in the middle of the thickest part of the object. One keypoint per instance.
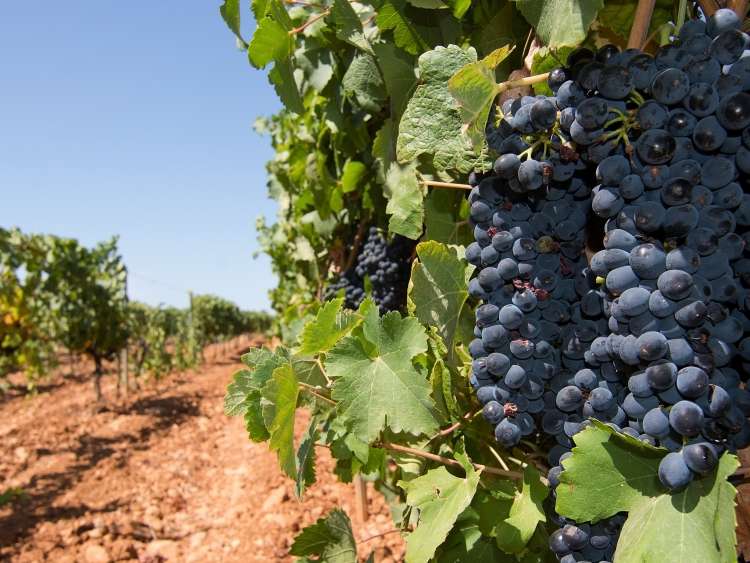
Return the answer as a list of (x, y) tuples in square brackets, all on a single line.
[(135, 119)]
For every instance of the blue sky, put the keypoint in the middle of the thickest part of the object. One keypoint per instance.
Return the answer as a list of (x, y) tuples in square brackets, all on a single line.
[(135, 119)]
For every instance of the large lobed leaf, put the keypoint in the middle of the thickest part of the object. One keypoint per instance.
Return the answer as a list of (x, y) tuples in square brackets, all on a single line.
[(441, 498), (330, 538), (376, 382), (610, 472), (438, 291), (560, 22), (431, 124)]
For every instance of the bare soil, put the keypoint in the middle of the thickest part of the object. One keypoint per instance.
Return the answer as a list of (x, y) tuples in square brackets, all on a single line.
[(160, 476)]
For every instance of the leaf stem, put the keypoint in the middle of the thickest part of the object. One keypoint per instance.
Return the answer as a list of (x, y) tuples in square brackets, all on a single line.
[(323, 370), (451, 462), (310, 389), (526, 81), (380, 535), (499, 458), (641, 23), (450, 185), (309, 22)]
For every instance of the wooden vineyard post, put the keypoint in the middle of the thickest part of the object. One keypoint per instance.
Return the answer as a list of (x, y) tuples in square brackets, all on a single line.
[(360, 498), (641, 23)]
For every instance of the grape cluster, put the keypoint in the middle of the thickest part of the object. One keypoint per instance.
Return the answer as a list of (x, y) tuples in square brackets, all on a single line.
[(385, 265), (648, 157)]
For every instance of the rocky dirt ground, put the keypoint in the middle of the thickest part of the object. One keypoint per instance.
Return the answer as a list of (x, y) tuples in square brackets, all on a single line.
[(160, 476)]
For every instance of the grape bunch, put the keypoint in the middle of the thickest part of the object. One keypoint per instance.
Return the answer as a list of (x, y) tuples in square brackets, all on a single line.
[(644, 161), (386, 266)]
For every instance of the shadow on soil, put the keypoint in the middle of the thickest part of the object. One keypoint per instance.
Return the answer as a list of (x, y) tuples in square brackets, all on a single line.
[(42, 490)]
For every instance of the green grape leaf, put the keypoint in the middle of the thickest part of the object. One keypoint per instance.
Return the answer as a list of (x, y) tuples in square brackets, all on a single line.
[(384, 148), (237, 392), (317, 65), (442, 390), (271, 42), (261, 363), (307, 371), (282, 392), (330, 539), (432, 124), (472, 539), (467, 543), (306, 458), (354, 172), (560, 22), (617, 473), (282, 78), (363, 83), (503, 27), (459, 7), (392, 16), (610, 472), (349, 26), (438, 291), (527, 512), (441, 498), (405, 200), (259, 8), (330, 325), (375, 381), (428, 4), (474, 89), (230, 12), (398, 73), (254, 424), (697, 524), (443, 211)]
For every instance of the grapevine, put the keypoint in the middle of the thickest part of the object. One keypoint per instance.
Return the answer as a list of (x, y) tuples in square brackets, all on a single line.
[(565, 363)]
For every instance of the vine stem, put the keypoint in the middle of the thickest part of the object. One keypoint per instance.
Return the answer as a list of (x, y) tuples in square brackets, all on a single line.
[(310, 389), (309, 22), (451, 462), (380, 535), (305, 3), (450, 185), (739, 7), (455, 426), (709, 7), (519, 83), (641, 22)]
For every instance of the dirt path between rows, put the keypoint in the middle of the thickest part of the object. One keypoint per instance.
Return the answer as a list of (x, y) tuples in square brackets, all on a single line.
[(163, 476)]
